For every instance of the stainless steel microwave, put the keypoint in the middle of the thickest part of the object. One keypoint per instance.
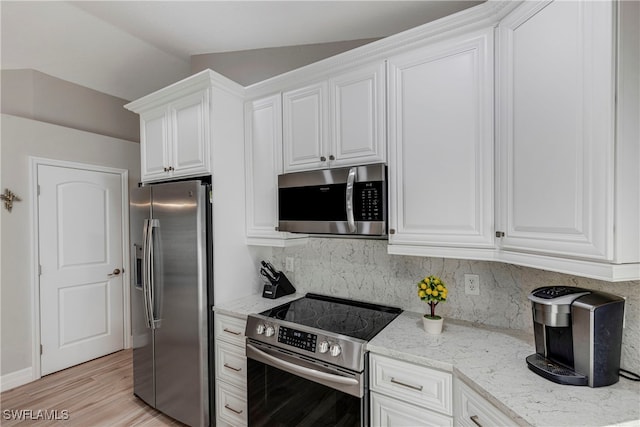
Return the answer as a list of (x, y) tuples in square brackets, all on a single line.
[(341, 201)]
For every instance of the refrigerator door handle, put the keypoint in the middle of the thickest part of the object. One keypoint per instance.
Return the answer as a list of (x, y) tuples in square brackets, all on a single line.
[(155, 322), (147, 271)]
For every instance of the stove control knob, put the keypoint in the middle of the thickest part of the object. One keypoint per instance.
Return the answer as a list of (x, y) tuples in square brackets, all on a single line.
[(260, 329), (269, 331), (324, 347), (335, 350)]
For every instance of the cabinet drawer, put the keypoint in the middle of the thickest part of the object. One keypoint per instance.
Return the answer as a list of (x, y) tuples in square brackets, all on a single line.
[(414, 384), (386, 411), (473, 410), (231, 404), (231, 364), (230, 329)]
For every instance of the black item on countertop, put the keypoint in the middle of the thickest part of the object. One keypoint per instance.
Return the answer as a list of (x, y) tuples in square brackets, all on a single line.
[(278, 285), (578, 335)]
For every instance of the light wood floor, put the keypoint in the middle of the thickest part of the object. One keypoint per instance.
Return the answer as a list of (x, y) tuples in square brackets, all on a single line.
[(96, 393)]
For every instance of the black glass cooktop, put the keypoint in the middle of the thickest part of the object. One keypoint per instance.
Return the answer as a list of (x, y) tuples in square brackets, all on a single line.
[(346, 317)]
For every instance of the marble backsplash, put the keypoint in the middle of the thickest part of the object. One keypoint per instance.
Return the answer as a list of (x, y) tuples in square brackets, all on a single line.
[(361, 269)]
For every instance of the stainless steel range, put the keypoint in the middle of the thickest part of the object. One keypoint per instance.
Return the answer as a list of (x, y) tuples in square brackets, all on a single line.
[(307, 363)]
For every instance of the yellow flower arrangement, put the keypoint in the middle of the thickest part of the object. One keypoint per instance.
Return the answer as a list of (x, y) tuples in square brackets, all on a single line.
[(432, 290)]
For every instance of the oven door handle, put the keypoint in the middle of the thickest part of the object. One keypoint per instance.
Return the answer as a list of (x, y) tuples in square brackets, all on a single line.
[(291, 367)]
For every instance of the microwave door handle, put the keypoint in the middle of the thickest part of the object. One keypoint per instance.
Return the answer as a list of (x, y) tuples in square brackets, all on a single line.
[(349, 200)]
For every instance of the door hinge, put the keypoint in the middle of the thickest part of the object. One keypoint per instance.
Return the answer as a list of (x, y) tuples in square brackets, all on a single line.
[(38, 189), (41, 349), (39, 270)]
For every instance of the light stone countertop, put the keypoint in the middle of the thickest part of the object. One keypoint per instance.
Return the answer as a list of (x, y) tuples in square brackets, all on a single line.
[(492, 362), (242, 307)]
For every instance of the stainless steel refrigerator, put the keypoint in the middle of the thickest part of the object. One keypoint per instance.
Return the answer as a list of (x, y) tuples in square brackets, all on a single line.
[(171, 299)]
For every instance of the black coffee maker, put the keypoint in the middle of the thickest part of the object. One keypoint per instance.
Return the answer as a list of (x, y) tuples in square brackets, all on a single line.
[(578, 335)]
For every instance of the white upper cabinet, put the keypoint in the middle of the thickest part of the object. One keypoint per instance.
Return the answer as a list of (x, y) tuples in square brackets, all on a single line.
[(174, 138), (305, 127), (441, 147), (182, 125), (358, 116), (189, 134), (263, 163), (339, 122), (154, 135), (557, 132)]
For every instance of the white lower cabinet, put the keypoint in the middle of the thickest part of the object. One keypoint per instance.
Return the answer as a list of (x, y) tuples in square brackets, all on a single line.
[(386, 411), (406, 394), (231, 371), (231, 404), (472, 410)]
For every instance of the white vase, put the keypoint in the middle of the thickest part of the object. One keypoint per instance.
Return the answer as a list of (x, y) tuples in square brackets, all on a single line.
[(432, 325)]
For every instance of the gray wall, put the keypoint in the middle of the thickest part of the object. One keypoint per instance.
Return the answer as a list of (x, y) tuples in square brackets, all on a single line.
[(22, 138), (38, 96), (251, 66)]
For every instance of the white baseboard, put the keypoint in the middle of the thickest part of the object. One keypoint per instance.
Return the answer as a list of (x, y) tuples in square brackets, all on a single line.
[(15, 379)]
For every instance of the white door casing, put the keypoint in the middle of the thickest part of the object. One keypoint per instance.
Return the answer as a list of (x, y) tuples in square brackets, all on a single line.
[(80, 229)]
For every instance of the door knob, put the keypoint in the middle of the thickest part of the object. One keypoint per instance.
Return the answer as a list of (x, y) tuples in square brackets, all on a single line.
[(116, 272)]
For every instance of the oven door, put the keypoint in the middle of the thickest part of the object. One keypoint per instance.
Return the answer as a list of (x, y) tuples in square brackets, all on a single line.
[(285, 389)]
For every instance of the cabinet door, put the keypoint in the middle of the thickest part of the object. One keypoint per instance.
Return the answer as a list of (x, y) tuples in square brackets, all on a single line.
[(263, 163), (154, 133), (471, 409), (190, 130), (441, 144), (358, 116), (556, 129), (305, 128), (388, 412)]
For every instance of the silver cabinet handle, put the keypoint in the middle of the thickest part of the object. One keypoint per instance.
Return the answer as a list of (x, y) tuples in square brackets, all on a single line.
[(349, 199), (232, 368), (226, 406), (414, 387), (323, 159), (474, 418), (332, 157), (231, 332)]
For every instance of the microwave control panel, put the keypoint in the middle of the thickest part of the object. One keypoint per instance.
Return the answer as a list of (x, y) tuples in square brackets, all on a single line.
[(367, 201)]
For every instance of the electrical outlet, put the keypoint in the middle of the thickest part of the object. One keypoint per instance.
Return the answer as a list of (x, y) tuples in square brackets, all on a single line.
[(288, 264), (471, 284)]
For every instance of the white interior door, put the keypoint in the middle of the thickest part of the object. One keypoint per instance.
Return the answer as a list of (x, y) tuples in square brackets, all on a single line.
[(81, 260)]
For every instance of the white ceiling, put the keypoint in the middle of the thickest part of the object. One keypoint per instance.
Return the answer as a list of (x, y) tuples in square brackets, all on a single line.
[(131, 48)]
